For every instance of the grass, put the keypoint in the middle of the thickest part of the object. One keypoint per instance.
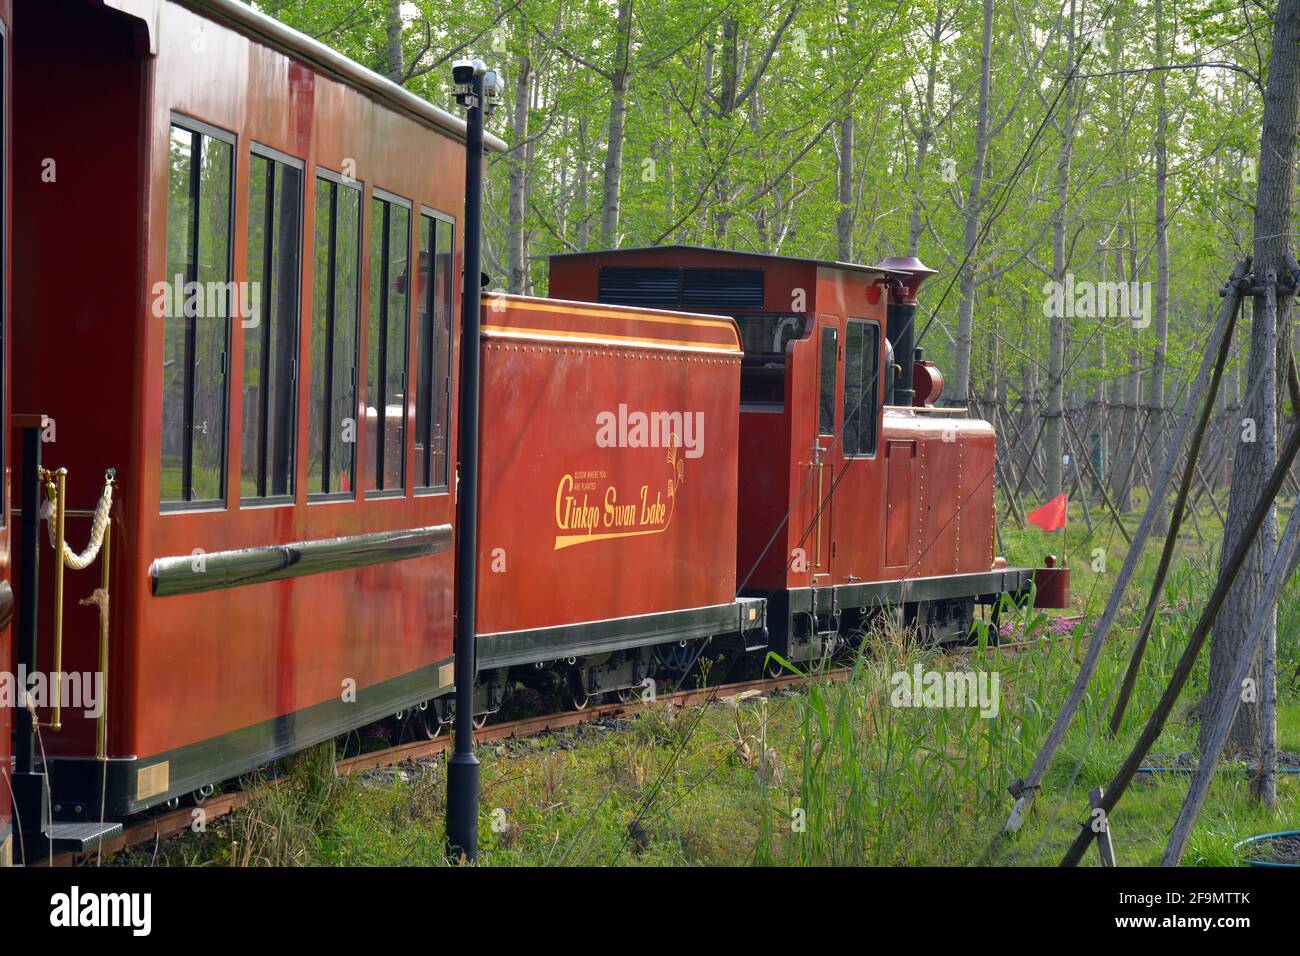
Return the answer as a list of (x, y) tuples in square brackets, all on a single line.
[(831, 774)]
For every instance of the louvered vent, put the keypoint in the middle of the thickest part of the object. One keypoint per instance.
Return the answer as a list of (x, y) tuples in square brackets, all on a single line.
[(721, 290), (718, 290), (654, 288)]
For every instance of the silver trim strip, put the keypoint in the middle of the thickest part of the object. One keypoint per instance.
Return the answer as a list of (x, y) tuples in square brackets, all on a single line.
[(513, 648), (194, 573)]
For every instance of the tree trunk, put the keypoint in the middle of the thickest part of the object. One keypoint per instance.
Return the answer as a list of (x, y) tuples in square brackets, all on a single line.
[(617, 123), (1252, 460), (584, 193), (394, 68), (844, 222), (925, 133), (1157, 397), (1052, 430), (516, 253), (971, 220)]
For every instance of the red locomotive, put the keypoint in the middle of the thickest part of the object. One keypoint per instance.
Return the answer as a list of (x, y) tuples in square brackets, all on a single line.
[(257, 336), (854, 494)]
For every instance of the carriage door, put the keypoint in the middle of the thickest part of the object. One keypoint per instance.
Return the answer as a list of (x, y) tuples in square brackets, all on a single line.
[(820, 542)]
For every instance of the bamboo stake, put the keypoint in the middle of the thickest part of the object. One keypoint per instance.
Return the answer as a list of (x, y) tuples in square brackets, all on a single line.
[(1117, 479), (1171, 538), (1032, 451), (1028, 789), (1076, 483), (1156, 723), (1264, 781), (1100, 486), (1126, 486), (1203, 482)]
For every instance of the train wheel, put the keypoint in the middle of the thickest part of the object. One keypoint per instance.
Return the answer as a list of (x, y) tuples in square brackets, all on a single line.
[(431, 724), (627, 695), (575, 693), (479, 721), (774, 669)]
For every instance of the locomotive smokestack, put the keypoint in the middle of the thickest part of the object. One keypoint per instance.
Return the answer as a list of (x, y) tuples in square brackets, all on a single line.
[(905, 275)]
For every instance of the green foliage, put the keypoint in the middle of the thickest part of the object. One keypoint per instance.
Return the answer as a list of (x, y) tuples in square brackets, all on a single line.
[(732, 138)]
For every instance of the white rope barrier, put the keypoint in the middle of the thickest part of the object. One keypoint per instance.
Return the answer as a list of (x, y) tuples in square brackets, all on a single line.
[(71, 559)]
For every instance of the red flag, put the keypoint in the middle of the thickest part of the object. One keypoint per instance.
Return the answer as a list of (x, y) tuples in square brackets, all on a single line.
[(1050, 516)]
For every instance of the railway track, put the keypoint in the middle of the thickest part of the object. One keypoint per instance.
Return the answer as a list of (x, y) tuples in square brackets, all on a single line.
[(174, 822)]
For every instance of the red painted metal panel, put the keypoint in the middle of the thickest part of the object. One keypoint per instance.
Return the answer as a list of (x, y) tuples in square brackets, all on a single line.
[(900, 495), (1053, 587), (609, 462), (762, 499), (976, 546), (788, 284)]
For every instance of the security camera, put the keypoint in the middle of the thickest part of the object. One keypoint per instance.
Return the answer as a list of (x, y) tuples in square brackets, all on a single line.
[(464, 71), (492, 83)]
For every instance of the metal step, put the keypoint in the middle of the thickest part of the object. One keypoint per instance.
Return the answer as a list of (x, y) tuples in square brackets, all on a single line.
[(80, 837)]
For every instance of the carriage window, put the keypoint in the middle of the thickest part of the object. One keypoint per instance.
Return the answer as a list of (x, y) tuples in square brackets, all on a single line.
[(336, 291), (196, 304), (390, 244), (433, 351), (826, 405), (861, 386), (271, 328)]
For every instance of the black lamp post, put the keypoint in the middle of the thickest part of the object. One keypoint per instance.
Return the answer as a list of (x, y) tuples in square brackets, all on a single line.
[(478, 88)]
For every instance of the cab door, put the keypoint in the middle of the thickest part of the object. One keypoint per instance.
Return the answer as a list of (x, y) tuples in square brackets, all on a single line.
[(860, 494)]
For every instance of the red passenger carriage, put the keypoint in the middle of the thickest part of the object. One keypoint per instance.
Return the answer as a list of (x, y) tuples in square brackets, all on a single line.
[(223, 246), (6, 588)]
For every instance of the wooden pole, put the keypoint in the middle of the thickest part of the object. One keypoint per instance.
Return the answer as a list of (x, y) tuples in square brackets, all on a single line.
[(1101, 826), (1156, 724), (1171, 537), (1032, 451), (1029, 788), (1100, 485), (1126, 486)]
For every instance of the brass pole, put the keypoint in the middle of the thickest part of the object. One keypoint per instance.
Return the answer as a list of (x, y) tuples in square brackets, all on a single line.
[(60, 488), (101, 724), (820, 505)]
